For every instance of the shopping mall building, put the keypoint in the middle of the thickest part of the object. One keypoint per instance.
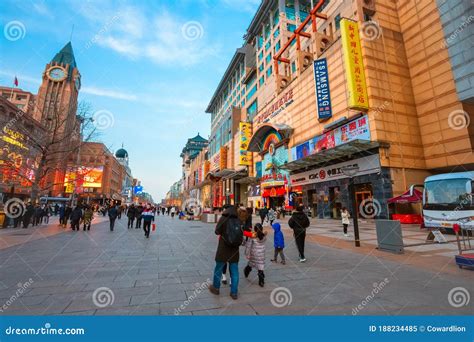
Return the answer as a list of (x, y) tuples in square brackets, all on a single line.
[(322, 91)]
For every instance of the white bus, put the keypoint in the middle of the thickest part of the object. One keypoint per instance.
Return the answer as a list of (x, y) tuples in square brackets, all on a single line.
[(448, 200)]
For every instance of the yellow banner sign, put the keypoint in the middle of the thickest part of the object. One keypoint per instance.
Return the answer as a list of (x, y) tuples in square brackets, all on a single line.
[(354, 66), (245, 157)]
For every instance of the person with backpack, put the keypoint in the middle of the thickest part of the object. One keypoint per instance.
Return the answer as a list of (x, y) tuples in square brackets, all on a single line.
[(299, 222), (230, 229)]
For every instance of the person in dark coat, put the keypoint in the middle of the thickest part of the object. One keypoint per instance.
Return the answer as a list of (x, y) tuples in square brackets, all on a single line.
[(138, 216), (263, 212), (226, 253), (113, 213), (29, 212), (62, 210), (76, 216), (37, 216), (131, 215), (67, 214), (299, 221)]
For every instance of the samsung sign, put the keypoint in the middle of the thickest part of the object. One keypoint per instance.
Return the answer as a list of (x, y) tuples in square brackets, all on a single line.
[(367, 165), (323, 96)]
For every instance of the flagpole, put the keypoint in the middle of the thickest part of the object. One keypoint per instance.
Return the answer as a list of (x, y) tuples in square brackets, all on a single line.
[(14, 85)]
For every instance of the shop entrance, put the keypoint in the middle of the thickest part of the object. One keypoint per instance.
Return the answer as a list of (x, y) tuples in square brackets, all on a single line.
[(335, 202), (276, 202), (363, 192)]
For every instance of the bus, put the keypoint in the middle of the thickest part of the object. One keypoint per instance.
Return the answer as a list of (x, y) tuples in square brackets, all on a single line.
[(448, 200)]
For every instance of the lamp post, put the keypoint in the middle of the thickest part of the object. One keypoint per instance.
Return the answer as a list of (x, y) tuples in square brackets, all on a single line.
[(351, 171)]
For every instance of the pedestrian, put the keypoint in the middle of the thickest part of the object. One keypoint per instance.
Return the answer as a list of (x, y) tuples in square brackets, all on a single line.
[(61, 214), (345, 219), (172, 211), (230, 230), (278, 243), (263, 212), (299, 222), (271, 216), (56, 209), (163, 209), (147, 216), (37, 216), (113, 213), (87, 218), (255, 253), (120, 209), (67, 214), (29, 213), (138, 216), (76, 216), (131, 215)]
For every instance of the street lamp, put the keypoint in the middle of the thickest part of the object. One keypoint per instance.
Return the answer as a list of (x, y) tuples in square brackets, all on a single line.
[(350, 171)]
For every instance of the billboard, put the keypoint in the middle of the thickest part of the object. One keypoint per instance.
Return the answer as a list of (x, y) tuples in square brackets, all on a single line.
[(245, 130), (354, 66), (83, 177), (323, 95)]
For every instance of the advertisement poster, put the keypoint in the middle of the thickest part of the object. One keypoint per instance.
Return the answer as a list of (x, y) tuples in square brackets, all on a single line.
[(354, 65), (245, 130), (355, 129), (323, 96)]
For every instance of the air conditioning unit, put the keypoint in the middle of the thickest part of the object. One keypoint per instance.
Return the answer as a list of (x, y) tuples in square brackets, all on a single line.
[(367, 6), (321, 43), (304, 60), (282, 82)]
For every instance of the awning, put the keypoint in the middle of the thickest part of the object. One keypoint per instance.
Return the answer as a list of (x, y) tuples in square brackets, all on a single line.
[(338, 152), (219, 174), (255, 144), (415, 197), (238, 174), (247, 180)]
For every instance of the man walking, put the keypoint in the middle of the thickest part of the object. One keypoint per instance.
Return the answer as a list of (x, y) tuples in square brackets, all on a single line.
[(131, 215), (263, 212), (299, 222), (138, 216), (113, 213), (147, 216)]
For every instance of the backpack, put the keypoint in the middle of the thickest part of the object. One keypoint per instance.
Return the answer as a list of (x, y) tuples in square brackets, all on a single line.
[(233, 234)]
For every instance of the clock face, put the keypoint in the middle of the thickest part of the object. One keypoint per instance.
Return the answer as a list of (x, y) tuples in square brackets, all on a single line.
[(57, 74)]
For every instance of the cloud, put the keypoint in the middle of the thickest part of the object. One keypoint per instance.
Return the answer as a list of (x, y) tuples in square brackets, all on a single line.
[(162, 38), (108, 93)]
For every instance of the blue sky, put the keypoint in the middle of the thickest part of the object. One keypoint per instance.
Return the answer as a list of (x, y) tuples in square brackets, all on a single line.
[(153, 64)]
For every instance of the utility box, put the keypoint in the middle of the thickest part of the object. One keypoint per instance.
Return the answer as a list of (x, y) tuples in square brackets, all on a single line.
[(389, 236)]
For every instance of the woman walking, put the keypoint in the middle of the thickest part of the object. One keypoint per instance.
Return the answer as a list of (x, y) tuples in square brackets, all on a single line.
[(345, 220), (87, 218)]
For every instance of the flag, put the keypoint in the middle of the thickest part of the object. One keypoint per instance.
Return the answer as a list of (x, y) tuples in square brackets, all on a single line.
[(15, 82)]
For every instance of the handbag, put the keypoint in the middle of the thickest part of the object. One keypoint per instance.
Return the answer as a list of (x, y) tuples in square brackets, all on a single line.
[(153, 227)]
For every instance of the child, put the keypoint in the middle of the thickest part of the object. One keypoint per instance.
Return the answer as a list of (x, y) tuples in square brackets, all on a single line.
[(255, 252), (345, 219), (278, 243)]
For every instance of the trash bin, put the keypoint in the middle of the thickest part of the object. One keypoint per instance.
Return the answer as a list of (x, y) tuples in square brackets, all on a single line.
[(389, 236)]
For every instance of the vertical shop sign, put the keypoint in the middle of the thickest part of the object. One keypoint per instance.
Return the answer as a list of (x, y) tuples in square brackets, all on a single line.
[(354, 66), (245, 129), (323, 96)]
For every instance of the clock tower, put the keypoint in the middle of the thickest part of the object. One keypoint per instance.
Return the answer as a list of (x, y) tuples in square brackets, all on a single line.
[(56, 106)]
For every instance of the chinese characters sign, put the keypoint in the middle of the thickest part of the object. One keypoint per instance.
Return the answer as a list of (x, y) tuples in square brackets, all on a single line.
[(354, 66), (355, 129), (323, 96), (245, 130)]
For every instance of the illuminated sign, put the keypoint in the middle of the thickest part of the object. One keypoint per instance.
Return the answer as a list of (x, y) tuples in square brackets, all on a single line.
[(354, 66), (323, 96), (83, 177), (245, 157)]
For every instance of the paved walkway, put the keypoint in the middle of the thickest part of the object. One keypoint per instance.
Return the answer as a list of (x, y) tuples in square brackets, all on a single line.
[(53, 271)]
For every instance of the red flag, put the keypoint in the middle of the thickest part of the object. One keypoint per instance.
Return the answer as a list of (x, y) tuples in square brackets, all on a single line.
[(15, 82)]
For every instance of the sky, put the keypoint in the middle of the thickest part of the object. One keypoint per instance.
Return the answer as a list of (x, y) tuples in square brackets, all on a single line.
[(149, 68)]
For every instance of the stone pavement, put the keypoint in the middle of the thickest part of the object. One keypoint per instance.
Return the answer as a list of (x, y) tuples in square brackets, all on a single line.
[(53, 271)]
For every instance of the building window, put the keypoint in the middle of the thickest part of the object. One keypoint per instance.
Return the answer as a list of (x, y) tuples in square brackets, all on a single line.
[(251, 92), (268, 59), (269, 71), (337, 21), (260, 55), (260, 68), (277, 46), (252, 111), (268, 45), (293, 67), (261, 81), (276, 17), (291, 27), (290, 9), (276, 33)]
